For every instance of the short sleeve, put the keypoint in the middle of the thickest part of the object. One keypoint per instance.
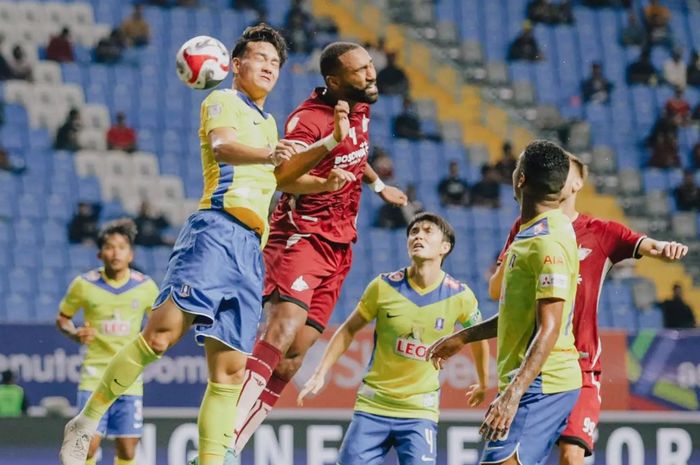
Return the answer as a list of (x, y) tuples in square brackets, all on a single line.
[(620, 242), (221, 109), (302, 128), (511, 237), (470, 314), (367, 307), (551, 269), (73, 300)]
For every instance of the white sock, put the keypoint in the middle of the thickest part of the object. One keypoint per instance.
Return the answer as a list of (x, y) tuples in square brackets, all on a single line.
[(255, 417)]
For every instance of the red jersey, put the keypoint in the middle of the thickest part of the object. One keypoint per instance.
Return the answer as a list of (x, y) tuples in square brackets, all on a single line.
[(601, 244), (331, 215)]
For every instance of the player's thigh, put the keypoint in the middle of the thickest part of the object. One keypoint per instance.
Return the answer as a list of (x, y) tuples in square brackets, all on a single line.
[(416, 441), (367, 440), (125, 423), (166, 326), (579, 434), (328, 291), (126, 447), (226, 365)]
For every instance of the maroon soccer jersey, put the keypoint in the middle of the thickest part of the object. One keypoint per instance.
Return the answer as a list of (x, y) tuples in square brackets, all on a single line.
[(331, 215), (601, 244)]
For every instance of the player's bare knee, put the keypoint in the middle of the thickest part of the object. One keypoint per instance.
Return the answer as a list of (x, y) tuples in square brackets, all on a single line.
[(284, 321), (158, 341), (288, 367)]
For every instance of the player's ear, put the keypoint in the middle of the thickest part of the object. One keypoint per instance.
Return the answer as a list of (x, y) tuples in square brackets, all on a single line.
[(445, 248), (332, 82), (235, 65), (577, 185)]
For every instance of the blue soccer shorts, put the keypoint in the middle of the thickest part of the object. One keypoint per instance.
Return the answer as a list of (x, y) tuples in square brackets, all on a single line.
[(539, 421), (216, 272), (370, 437), (124, 419)]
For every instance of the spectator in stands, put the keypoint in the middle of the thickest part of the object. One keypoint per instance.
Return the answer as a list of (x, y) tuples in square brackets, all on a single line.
[(487, 192), (675, 70), (378, 53), (407, 124), (21, 68), (13, 400), (633, 33), (677, 313), (657, 18), (525, 47), (392, 80), (298, 11), (506, 165), (453, 189), (7, 164), (664, 151), (299, 33), (109, 49), (678, 108), (544, 11), (82, 228), (60, 48), (596, 88), (382, 164), (136, 30), (642, 71), (5, 69), (151, 227), (67, 135), (692, 75), (120, 136), (256, 5), (391, 217), (687, 194)]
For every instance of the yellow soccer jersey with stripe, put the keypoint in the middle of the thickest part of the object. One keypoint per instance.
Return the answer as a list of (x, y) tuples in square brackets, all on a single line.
[(399, 382), (116, 310), (541, 263), (244, 191)]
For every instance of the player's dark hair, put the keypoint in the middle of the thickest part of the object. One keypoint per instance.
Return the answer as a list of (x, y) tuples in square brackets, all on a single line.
[(330, 57), (443, 225), (545, 167), (124, 227), (261, 33)]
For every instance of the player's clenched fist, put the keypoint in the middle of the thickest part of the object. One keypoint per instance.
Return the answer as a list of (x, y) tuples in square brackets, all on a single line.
[(284, 151), (85, 334), (341, 114), (669, 250), (337, 178)]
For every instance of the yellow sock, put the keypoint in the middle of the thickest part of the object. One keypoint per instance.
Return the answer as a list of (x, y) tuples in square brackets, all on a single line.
[(92, 461), (118, 461), (121, 373), (217, 416)]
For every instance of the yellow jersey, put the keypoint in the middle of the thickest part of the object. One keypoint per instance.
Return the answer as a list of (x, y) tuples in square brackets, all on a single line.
[(116, 310), (244, 191), (399, 382), (542, 262)]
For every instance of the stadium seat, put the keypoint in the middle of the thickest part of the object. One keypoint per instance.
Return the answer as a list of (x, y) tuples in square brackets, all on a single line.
[(82, 257)]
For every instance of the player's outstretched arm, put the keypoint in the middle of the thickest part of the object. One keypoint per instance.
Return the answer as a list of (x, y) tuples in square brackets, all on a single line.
[(477, 392), (340, 342), (310, 184), (389, 194), (502, 411), (447, 346), (669, 251), (288, 171), (83, 335), (227, 149)]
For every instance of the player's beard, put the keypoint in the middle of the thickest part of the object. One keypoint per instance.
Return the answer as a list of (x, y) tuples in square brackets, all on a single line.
[(360, 94)]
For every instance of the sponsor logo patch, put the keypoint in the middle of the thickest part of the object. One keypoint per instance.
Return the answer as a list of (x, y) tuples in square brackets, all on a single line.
[(410, 348), (551, 280), (300, 285)]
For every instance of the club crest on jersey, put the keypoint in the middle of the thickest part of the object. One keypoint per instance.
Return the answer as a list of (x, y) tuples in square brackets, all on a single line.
[(214, 110), (135, 304), (185, 290), (439, 323), (583, 253)]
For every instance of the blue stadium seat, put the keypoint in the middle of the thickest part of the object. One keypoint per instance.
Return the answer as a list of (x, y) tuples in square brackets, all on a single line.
[(651, 319), (45, 306), (654, 180), (82, 257), (54, 233), (21, 281), (19, 308), (89, 189), (624, 317)]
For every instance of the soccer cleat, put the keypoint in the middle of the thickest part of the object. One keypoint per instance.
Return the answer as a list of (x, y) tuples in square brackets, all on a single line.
[(229, 459), (76, 442)]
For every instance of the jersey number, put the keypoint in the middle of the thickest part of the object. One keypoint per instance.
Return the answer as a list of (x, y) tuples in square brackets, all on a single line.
[(353, 136), (429, 439)]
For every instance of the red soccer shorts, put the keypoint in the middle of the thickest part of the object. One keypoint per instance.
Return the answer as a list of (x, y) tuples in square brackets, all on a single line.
[(308, 271), (583, 419)]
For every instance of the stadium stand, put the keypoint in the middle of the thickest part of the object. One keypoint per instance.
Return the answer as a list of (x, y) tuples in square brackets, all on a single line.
[(509, 100)]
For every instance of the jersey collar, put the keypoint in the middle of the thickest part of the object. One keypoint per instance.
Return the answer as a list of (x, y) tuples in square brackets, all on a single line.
[(251, 104), (424, 290), (112, 283)]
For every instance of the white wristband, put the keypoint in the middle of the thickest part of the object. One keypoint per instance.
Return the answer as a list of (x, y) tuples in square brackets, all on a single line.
[(377, 186), (329, 142)]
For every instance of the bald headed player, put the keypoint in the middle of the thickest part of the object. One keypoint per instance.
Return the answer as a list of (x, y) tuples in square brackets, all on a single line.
[(309, 252), (601, 244)]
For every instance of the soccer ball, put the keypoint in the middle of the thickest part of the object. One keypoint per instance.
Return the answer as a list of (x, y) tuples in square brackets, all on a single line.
[(202, 62)]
